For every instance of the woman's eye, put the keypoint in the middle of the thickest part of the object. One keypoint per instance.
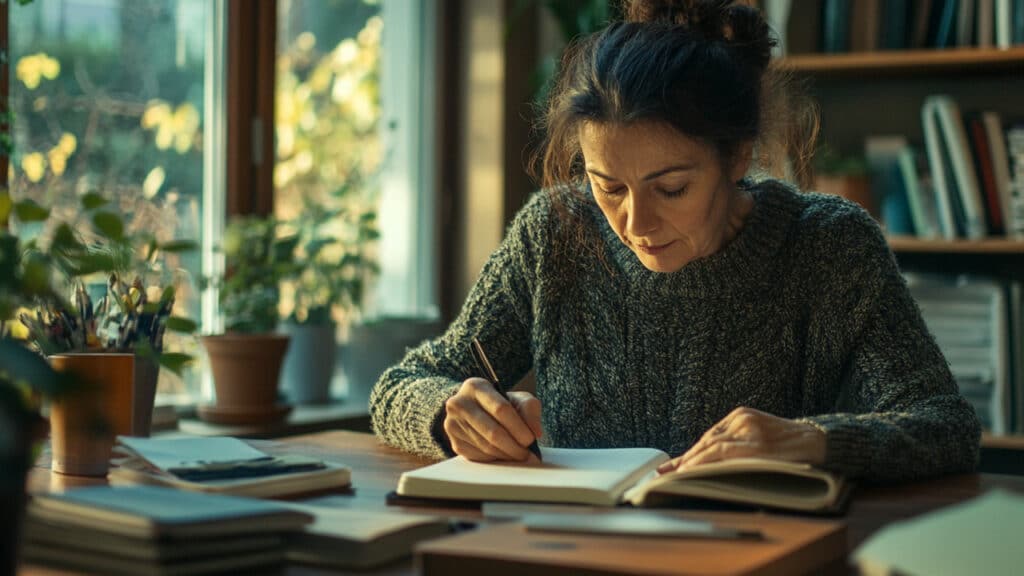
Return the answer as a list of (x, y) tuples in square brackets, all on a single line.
[(673, 193), (612, 192)]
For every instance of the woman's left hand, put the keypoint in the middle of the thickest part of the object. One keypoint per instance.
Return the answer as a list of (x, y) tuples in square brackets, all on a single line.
[(746, 432)]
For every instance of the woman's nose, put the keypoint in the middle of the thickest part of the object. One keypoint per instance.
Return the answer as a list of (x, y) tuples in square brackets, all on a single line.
[(642, 218)]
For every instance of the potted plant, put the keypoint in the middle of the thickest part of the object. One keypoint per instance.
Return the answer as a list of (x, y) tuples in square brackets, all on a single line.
[(326, 285), (24, 375), (246, 359)]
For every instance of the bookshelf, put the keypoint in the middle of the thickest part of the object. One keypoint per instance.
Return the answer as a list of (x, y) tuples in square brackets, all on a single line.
[(880, 93)]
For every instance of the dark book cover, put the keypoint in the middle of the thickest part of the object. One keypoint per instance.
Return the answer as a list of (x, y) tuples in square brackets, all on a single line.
[(982, 158), (835, 27), (803, 31), (921, 17), (894, 31)]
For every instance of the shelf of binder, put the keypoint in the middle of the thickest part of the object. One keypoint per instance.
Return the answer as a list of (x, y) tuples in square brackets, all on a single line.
[(1001, 246), (908, 61)]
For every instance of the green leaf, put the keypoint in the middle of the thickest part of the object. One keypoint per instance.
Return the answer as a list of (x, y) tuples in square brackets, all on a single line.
[(85, 264), (109, 224), (175, 361), (29, 211), (181, 324), (92, 201), (179, 246), (22, 365)]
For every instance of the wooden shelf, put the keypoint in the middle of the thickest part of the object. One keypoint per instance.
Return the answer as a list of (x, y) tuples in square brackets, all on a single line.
[(1008, 442), (905, 244), (908, 61)]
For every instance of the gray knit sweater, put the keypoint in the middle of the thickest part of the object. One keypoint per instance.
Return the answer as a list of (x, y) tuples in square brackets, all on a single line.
[(803, 315)]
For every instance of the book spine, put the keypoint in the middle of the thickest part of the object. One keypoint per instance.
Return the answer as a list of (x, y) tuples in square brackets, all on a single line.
[(894, 30), (1013, 209), (955, 138), (965, 23), (1015, 154), (923, 225), (1018, 22), (1004, 30), (985, 23), (803, 28), (982, 157), (944, 208), (835, 26), (921, 22)]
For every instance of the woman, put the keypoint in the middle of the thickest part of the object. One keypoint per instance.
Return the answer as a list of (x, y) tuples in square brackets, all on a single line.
[(664, 300)]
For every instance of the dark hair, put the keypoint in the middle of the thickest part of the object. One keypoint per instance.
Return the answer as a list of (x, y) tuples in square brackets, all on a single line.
[(700, 66)]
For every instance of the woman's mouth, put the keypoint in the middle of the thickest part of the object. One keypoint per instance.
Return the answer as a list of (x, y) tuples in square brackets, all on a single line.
[(653, 249)]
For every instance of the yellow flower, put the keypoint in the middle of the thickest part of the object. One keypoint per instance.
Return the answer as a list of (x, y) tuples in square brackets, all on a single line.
[(154, 180), (34, 166), (68, 143), (32, 69), (58, 161), (305, 41), (346, 52), (157, 111)]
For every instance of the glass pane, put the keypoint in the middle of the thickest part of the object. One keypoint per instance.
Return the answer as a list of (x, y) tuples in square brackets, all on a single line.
[(329, 150), (108, 96)]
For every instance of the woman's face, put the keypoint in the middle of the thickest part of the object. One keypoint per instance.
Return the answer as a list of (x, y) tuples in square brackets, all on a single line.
[(665, 195)]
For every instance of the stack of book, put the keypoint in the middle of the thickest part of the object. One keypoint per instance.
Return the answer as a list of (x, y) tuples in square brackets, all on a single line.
[(971, 320), (153, 530), (221, 465)]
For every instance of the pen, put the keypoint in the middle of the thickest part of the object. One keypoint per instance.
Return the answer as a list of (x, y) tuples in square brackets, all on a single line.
[(490, 375)]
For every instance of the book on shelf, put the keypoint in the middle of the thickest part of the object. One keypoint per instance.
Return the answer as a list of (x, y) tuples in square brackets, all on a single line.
[(970, 318), (221, 465), (153, 530), (916, 185), (612, 476), (359, 539), (955, 182)]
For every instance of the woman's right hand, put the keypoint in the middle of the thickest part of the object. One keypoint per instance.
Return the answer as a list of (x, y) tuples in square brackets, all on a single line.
[(483, 426)]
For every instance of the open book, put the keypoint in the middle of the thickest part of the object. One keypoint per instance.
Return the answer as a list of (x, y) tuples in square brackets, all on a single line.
[(607, 477)]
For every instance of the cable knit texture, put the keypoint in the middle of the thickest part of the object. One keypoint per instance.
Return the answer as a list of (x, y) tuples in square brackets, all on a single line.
[(803, 315)]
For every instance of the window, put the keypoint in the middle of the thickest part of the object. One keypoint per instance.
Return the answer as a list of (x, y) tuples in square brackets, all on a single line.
[(115, 96), (127, 98), (353, 127)]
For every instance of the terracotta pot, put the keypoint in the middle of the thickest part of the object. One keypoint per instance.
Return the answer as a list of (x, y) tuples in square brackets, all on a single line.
[(83, 424), (309, 364), (246, 370), (147, 374)]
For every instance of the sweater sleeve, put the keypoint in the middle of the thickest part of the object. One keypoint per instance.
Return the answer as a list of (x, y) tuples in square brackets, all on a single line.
[(898, 414), (407, 403)]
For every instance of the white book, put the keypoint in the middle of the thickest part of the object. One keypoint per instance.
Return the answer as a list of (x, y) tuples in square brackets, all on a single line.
[(1003, 24), (955, 137), (607, 477), (980, 536), (933, 147), (359, 538)]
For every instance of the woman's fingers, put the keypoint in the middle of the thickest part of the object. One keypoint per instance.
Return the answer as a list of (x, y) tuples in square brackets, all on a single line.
[(528, 407), (483, 418)]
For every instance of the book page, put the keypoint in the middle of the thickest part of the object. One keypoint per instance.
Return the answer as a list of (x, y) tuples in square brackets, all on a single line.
[(563, 472)]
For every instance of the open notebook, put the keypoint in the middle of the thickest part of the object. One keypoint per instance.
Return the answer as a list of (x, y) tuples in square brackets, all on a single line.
[(607, 477)]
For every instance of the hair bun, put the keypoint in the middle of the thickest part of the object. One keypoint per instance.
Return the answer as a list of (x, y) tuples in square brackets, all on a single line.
[(728, 21)]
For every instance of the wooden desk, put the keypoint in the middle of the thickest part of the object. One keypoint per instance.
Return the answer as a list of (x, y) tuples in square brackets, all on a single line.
[(376, 469)]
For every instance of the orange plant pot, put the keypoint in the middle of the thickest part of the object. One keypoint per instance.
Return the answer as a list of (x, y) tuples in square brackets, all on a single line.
[(83, 424)]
